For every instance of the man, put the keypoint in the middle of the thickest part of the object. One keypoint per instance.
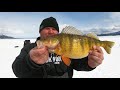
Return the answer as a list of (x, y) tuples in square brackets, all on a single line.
[(37, 62)]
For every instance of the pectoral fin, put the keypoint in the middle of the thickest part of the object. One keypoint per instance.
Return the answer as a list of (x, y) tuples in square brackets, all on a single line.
[(66, 60)]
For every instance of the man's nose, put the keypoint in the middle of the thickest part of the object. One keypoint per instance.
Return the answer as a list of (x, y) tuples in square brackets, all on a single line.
[(51, 30)]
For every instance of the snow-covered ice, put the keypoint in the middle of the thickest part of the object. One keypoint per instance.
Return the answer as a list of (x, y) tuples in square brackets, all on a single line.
[(108, 69)]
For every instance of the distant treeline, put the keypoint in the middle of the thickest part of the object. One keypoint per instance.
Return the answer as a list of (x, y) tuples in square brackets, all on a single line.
[(6, 37), (110, 34)]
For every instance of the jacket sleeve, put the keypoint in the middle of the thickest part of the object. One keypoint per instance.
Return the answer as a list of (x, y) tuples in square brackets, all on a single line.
[(24, 67), (81, 64)]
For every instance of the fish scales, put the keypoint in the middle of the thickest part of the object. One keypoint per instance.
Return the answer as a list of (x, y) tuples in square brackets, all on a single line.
[(74, 46)]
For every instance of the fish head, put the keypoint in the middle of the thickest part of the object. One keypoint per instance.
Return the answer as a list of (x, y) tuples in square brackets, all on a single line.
[(51, 42)]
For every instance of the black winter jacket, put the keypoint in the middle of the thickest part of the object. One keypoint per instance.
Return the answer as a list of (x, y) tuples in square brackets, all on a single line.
[(24, 67)]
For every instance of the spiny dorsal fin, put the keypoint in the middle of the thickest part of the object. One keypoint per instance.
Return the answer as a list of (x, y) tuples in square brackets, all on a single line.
[(92, 35), (71, 30)]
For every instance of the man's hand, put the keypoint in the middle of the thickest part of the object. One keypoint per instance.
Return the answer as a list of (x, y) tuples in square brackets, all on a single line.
[(39, 54), (95, 57)]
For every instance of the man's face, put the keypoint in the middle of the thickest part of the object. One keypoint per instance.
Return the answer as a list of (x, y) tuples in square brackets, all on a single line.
[(48, 31)]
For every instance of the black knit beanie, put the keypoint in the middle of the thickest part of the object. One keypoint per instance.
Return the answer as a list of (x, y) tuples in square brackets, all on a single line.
[(49, 22)]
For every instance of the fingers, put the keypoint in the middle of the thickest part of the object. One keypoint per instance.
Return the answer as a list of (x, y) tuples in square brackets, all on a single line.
[(41, 50), (40, 55), (39, 44), (96, 53), (96, 59), (92, 63), (98, 49)]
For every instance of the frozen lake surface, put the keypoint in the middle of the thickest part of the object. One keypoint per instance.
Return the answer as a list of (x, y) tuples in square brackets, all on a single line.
[(108, 69)]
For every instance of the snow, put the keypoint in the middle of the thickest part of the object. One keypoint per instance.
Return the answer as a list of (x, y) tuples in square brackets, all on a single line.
[(108, 69), (8, 53), (110, 66)]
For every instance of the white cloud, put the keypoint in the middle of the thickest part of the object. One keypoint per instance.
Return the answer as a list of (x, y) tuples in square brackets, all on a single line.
[(110, 23), (10, 29), (26, 26), (115, 15), (15, 31), (61, 26), (113, 19)]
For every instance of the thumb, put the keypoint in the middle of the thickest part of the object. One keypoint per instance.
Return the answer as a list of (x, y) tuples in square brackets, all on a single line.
[(94, 47), (39, 44)]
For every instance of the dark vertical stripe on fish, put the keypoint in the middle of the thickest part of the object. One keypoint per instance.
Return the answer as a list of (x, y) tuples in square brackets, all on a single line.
[(89, 42), (82, 44)]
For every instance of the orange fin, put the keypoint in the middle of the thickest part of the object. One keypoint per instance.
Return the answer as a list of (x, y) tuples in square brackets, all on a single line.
[(66, 60)]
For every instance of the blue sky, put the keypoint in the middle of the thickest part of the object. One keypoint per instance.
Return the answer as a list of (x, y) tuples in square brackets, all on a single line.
[(26, 24)]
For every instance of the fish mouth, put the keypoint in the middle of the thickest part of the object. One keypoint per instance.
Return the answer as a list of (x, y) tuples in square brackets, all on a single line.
[(52, 48)]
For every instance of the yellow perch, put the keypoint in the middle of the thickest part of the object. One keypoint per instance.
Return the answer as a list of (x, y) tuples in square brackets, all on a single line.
[(74, 46)]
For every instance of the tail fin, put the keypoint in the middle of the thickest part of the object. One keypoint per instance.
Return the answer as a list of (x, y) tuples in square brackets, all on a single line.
[(108, 45)]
